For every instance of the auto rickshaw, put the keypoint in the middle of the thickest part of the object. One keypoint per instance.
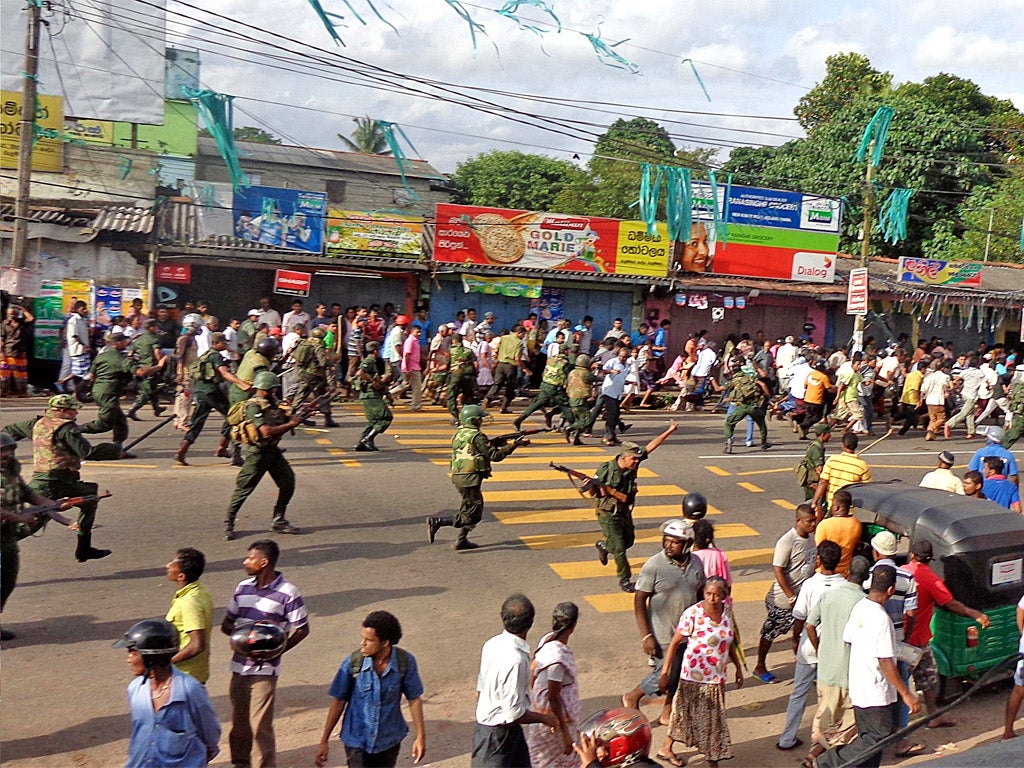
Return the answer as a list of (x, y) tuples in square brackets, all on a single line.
[(978, 552)]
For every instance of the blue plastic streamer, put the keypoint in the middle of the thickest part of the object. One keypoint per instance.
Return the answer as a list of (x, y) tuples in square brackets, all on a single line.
[(651, 177), (722, 228), (877, 130), (511, 11), (697, 75), (1022, 234), (679, 204), (328, 24), (216, 111), (608, 56), (474, 26), (392, 133), (892, 218)]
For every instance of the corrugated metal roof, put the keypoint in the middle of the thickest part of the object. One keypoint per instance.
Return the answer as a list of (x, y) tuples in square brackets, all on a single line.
[(51, 215), (124, 219)]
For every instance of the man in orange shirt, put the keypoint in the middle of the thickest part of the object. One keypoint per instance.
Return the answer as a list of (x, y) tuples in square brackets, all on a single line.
[(817, 385), (842, 528)]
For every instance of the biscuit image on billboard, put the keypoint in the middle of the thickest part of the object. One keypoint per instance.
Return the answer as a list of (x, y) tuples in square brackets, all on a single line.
[(500, 239)]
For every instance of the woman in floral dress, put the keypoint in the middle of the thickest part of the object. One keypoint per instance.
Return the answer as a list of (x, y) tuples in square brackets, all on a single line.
[(556, 689)]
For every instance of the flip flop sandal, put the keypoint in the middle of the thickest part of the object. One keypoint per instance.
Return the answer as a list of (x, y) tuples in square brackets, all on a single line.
[(673, 759), (912, 751), (767, 677)]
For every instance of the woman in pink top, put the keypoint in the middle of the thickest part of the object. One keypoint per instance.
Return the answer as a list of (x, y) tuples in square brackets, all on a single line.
[(711, 557)]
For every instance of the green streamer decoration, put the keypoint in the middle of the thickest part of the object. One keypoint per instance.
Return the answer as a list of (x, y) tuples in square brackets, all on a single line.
[(697, 75), (325, 18), (651, 177), (1022, 234), (876, 131), (392, 132), (679, 203), (474, 26), (216, 111), (607, 54), (511, 11), (892, 218)]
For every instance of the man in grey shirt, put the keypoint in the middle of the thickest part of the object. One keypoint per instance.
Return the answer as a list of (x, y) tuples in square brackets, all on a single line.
[(669, 583)]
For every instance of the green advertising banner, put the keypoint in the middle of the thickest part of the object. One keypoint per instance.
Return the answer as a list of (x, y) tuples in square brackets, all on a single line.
[(49, 312), (527, 287)]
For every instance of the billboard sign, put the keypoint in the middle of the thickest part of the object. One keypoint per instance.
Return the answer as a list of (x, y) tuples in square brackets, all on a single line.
[(288, 282), (857, 292), (473, 235), (174, 273), (363, 232), (282, 218), (47, 153), (938, 272)]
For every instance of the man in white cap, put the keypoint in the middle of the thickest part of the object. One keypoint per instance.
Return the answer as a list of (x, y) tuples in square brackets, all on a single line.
[(669, 582), (996, 438), (247, 331), (942, 478)]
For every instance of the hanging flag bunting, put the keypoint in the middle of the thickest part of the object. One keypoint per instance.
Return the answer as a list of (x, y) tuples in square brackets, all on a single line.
[(511, 11), (876, 131), (697, 75), (325, 19), (389, 129), (474, 26), (892, 219), (679, 203), (650, 190), (607, 55), (216, 111)]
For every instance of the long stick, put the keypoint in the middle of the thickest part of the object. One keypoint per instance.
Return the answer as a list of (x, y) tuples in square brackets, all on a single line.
[(147, 433), (861, 453)]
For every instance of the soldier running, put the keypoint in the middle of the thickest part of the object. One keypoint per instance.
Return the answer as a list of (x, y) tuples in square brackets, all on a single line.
[(264, 424), (372, 388), (552, 395), (145, 348), (257, 359), (57, 452), (749, 395), (317, 374), (578, 387), (462, 370), (472, 455)]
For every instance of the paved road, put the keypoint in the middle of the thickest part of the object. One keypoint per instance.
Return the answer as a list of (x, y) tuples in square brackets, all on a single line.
[(364, 547)]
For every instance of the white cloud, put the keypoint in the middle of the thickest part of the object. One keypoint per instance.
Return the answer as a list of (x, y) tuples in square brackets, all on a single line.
[(945, 48)]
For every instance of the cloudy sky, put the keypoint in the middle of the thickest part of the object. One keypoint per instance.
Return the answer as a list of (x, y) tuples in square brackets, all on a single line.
[(755, 57)]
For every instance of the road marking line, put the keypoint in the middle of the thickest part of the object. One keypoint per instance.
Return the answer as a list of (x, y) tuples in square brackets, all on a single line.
[(322, 441), (717, 471), (621, 602), (337, 451), (751, 487), (439, 442), (591, 569), (536, 475), (350, 463), (585, 514), (784, 504), (652, 536), (119, 465), (568, 492), (543, 449), (764, 471)]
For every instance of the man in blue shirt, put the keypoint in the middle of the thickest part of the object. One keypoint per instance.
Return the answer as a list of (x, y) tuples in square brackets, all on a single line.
[(996, 439), (996, 487), (368, 691)]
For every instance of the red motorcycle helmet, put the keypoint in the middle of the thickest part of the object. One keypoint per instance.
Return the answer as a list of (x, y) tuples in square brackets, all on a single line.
[(625, 734)]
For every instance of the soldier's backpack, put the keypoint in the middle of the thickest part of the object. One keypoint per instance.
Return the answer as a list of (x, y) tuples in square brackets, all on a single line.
[(236, 413), (355, 661), (745, 390)]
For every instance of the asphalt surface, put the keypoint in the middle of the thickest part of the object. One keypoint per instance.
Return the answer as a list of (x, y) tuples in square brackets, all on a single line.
[(363, 547)]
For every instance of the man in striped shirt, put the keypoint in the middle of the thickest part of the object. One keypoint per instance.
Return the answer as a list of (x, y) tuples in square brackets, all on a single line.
[(839, 471), (264, 596)]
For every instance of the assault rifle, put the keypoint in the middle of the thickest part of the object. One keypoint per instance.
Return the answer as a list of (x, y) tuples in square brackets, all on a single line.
[(591, 486), (53, 509), (305, 410), (515, 436)]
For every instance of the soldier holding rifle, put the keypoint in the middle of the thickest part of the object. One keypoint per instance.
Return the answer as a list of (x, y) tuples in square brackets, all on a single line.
[(614, 490), (472, 454)]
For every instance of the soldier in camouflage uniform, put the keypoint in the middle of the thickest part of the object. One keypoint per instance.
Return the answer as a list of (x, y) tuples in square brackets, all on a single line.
[(462, 371), (257, 359), (111, 372), (749, 395), (372, 389), (317, 374), (578, 388), (57, 452), (269, 423), (552, 395), (1013, 434), (14, 524), (472, 454), (145, 349), (212, 371)]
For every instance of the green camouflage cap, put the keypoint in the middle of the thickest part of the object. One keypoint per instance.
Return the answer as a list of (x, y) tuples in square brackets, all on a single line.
[(631, 449), (63, 401)]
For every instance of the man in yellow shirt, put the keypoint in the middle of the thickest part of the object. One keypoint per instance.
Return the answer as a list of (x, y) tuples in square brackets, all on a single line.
[(910, 398), (839, 471), (191, 613)]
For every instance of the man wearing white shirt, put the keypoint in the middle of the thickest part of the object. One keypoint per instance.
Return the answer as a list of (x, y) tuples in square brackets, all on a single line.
[(613, 384), (268, 314), (942, 478), (503, 685), (874, 681), (799, 371), (972, 381), (296, 317), (785, 356)]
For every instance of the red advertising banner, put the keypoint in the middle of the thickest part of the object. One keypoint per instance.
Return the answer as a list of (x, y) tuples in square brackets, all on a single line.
[(173, 273), (501, 237), (289, 283)]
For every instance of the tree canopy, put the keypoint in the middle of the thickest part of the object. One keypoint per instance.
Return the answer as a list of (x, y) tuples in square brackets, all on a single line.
[(514, 180), (367, 138), (249, 133)]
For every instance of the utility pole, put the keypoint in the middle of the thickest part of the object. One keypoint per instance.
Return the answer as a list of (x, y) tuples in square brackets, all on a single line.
[(26, 136), (865, 241)]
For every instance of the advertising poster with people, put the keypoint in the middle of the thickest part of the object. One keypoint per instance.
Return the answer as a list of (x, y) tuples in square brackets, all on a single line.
[(281, 218)]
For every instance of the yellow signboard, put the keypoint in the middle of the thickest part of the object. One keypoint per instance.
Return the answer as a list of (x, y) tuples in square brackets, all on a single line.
[(91, 131), (48, 153), (638, 253)]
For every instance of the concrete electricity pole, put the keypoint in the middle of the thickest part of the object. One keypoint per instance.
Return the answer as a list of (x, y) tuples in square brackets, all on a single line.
[(26, 136), (865, 241)]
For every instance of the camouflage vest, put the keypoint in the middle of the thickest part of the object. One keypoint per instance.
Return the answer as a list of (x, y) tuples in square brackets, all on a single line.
[(465, 459), (252, 361), (462, 361), (554, 371), (206, 367), (47, 454), (1017, 399), (578, 387)]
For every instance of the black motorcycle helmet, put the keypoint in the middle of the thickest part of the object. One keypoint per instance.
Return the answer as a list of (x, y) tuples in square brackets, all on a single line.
[(268, 347), (156, 640), (259, 641), (695, 506)]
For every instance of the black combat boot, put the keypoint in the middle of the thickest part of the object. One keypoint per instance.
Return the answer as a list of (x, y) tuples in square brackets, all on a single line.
[(329, 422), (179, 457), (463, 542), (434, 524), (236, 457), (222, 451), (86, 551), (132, 413), (366, 442), (229, 529), (281, 524)]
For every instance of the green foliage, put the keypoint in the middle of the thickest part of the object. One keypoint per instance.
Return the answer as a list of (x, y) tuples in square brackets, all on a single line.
[(848, 76), (514, 180), (249, 133), (367, 138), (1004, 202)]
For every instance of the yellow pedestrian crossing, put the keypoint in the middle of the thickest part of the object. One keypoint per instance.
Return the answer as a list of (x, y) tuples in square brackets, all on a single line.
[(718, 471), (568, 492), (622, 602), (537, 475), (529, 454), (447, 439), (751, 487), (585, 514), (592, 569), (570, 540)]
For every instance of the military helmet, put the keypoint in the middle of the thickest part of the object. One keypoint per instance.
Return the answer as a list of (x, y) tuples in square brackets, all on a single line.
[(266, 380), (471, 415), (192, 320), (372, 346), (319, 331), (156, 640), (695, 506), (6, 441), (624, 733), (62, 402), (583, 361), (259, 641), (268, 346)]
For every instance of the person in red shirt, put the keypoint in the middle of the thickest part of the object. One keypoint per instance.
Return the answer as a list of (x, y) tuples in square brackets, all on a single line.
[(931, 591)]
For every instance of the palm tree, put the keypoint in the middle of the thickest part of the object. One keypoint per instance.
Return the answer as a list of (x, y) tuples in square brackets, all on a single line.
[(367, 137)]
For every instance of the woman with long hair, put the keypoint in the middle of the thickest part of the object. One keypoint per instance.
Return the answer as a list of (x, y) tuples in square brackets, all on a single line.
[(556, 689)]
